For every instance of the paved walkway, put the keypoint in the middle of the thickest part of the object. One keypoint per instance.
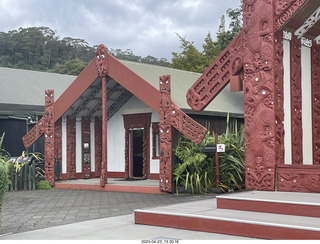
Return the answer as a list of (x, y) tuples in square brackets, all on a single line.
[(32, 210)]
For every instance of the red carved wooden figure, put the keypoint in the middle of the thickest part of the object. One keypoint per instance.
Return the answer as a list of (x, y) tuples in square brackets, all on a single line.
[(103, 68), (165, 135), (48, 119)]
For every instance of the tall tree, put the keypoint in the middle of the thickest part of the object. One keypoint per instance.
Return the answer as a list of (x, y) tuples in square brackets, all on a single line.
[(224, 36), (189, 59), (193, 60)]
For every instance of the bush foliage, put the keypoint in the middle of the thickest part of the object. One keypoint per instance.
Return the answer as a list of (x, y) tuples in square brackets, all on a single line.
[(43, 185), (196, 170)]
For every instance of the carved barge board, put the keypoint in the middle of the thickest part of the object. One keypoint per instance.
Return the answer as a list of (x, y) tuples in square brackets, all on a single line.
[(217, 75)]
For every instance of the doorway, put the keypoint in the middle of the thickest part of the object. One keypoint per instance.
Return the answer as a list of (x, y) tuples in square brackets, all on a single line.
[(137, 145), (137, 153)]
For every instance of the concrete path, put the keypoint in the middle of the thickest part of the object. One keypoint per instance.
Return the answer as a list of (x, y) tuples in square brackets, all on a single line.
[(116, 228), (75, 214)]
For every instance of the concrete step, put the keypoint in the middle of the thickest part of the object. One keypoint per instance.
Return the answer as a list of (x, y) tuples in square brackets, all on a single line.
[(291, 203), (205, 216)]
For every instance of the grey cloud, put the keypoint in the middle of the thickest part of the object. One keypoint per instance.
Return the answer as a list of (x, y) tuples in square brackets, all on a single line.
[(147, 27)]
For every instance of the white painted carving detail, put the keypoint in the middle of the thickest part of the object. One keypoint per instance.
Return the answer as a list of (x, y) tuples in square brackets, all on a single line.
[(287, 35), (308, 24), (306, 42)]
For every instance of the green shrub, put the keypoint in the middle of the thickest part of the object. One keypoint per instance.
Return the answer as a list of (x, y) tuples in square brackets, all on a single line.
[(43, 185), (4, 181), (196, 170)]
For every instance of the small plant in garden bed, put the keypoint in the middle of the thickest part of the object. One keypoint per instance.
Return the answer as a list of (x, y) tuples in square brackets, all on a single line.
[(43, 185)]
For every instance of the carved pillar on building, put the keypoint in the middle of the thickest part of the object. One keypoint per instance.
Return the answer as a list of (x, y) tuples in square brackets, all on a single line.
[(86, 158), (58, 148), (171, 115), (48, 119), (103, 68), (165, 135), (71, 148), (259, 92), (315, 83), (279, 110), (98, 146), (296, 101)]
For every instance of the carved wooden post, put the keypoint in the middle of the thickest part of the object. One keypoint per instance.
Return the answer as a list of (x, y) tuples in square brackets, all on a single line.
[(71, 148), (102, 67), (165, 135), (98, 146), (58, 148), (259, 91), (48, 119), (315, 69)]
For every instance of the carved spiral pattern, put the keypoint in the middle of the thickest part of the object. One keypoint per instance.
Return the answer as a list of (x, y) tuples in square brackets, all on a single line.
[(259, 98)]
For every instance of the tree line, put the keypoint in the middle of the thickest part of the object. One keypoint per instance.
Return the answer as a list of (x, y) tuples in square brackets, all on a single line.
[(40, 48)]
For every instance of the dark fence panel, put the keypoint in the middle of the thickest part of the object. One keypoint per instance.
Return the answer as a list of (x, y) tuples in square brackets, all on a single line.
[(24, 179)]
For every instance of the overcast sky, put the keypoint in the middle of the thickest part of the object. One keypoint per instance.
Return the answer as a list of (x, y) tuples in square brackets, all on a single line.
[(147, 27)]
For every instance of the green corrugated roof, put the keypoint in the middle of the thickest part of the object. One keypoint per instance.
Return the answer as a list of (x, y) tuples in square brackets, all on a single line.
[(181, 81), (28, 87), (25, 87)]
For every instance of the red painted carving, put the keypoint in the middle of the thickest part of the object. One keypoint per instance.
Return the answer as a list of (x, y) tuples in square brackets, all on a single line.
[(165, 135), (296, 102), (48, 119), (86, 156), (101, 60), (285, 9), (58, 142), (279, 111), (217, 76), (298, 178), (315, 83), (34, 134), (171, 115), (71, 148), (259, 94), (103, 68), (132, 121), (98, 146)]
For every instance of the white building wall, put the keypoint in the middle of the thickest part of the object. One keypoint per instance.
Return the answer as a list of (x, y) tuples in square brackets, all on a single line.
[(64, 145), (116, 135), (92, 146), (78, 146)]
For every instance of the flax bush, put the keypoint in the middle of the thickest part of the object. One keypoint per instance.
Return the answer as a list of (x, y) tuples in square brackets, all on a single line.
[(196, 170)]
